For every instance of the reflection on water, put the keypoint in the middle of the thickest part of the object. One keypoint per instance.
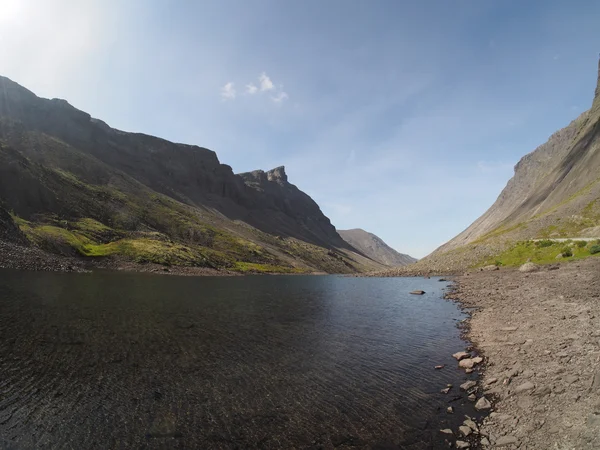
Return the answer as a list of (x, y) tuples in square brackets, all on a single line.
[(111, 360)]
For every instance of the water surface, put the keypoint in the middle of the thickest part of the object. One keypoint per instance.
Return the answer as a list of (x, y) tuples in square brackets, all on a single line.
[(115, 360)]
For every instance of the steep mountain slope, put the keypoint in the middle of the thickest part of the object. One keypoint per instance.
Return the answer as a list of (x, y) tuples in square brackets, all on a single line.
[(555, 193), (374, 247), (77, 186)]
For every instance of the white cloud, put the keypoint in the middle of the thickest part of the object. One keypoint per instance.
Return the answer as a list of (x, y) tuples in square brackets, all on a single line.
[(228, 91), (265, 82), (251, 89), (281, 96)]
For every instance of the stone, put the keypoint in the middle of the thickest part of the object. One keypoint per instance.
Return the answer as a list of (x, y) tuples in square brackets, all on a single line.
[(468, 385), (542, 391), (595, 382), (450, 410), (446, 431), (528, 267), (505, 440), (483, 404), (468, 370), (417, 292), (439, 367), (472, 397), (461, 355), (570, 379), (462, 444), (491, 267), (491, 381), (466, 363), (445, 390), (465, 430), (527, 386), (477, 360), (472, 425), (485, 441), (528, 373)]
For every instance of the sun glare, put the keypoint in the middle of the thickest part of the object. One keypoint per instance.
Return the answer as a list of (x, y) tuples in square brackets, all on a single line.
[(10, 9)]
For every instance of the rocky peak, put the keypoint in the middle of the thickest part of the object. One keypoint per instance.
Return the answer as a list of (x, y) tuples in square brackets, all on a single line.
[(277, 174), (596, 104)]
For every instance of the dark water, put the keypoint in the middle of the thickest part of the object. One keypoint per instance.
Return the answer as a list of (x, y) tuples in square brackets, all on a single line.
[(111, 360)]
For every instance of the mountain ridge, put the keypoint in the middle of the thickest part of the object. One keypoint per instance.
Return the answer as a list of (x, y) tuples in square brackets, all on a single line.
[(60, 168), (375, 248)]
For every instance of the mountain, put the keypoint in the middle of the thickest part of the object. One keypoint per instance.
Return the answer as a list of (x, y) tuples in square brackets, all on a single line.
[(554, 193), (76, 186), (374, 247)]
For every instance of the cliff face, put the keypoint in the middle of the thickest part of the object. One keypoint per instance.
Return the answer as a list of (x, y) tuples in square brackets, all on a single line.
[(555, 192), (189, 174), (59, 164), (375, 248)]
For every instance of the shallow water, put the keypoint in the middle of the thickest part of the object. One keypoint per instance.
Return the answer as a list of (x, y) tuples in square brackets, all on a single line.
[(115, 360)]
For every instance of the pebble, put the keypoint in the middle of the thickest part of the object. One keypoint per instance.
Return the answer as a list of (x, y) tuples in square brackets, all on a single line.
[(462, 444), (450, 410), (472, 425), (446, 431)]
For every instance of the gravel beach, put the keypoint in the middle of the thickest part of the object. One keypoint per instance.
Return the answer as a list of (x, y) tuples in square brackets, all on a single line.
[(540, 335)]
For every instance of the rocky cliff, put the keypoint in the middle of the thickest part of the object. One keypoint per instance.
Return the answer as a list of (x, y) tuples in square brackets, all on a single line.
[(375, 248), (554, 193), (78, 185)]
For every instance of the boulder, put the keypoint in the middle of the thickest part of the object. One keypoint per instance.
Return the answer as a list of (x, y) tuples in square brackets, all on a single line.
[(529, 267)]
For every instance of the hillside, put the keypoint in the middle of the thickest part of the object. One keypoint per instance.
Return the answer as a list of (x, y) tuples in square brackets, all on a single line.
[(375, 248), (77, 187), (554, 194)]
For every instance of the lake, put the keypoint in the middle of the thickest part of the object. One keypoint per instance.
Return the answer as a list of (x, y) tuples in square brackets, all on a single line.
[(126, 360)]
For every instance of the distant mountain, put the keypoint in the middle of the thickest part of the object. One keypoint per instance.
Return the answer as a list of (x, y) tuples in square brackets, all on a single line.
[(555, 193), (76, 186), (374, 247)]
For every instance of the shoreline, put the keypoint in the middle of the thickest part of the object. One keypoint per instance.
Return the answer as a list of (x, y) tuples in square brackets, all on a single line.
[(539, 333)]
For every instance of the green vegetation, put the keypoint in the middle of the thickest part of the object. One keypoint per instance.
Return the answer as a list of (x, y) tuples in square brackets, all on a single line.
[(542, 252)]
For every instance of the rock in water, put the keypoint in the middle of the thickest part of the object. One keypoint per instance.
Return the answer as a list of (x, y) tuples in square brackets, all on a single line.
[(461, 355), (417, 292), (468, 385)]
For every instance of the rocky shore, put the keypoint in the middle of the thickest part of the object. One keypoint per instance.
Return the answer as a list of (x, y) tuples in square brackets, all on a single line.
[(20, 257), (539, 333)]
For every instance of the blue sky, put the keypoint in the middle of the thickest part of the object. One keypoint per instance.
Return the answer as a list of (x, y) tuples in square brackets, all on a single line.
[(404, 118)]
